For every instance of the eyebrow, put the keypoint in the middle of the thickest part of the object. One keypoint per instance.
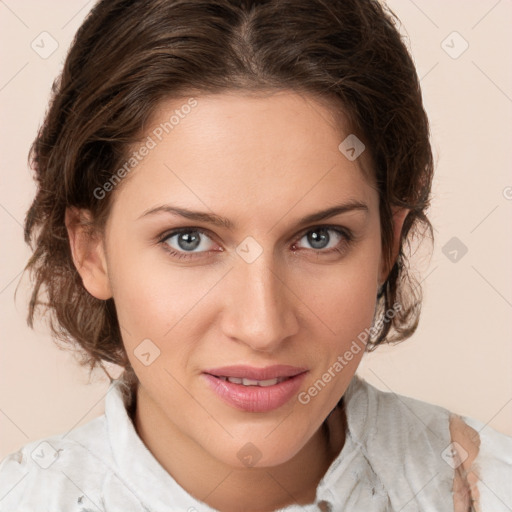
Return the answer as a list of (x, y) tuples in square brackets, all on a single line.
[(216, 220)]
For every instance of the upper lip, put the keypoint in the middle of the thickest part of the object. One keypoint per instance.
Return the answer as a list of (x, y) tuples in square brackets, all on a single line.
[(251, 372)]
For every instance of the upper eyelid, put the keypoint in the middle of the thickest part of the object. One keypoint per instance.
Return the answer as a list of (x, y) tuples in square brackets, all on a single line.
[(333, 227)]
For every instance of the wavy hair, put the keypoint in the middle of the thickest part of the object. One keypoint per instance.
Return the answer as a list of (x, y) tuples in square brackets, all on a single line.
[(129, 55)]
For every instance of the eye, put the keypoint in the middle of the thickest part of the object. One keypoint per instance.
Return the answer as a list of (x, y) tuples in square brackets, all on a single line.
[(187, 240), (326, 238), (193, 242)]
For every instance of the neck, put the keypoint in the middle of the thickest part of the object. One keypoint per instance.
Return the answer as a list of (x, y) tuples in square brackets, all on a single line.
[(229, 489)]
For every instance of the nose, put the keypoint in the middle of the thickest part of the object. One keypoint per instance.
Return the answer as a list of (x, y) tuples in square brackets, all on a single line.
[(259, 310)]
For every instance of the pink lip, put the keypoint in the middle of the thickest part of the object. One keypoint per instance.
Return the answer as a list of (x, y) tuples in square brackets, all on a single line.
[(256, 398)]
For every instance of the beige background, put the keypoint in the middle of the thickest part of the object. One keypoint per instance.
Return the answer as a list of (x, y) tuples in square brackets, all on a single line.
[(461, 356)]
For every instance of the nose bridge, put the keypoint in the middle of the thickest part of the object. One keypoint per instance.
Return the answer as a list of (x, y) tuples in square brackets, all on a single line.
[(261, 311)]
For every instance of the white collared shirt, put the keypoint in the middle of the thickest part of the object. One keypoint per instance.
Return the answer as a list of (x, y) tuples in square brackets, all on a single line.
[(396, 457)]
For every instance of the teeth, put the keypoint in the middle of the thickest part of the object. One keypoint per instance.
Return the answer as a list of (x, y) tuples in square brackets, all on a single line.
[(251, 382), (268, 382)]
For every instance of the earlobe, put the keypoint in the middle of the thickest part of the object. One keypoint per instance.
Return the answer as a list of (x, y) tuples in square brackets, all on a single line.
[(88, 253), (399, 215)]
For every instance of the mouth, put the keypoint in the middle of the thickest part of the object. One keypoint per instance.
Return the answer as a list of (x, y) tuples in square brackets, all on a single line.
[(255, 389)]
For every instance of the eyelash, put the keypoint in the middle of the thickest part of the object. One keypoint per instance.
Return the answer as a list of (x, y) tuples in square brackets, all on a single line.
[(347, 236)]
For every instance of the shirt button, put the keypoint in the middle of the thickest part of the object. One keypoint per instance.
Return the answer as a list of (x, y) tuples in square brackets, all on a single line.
[(324, 506)]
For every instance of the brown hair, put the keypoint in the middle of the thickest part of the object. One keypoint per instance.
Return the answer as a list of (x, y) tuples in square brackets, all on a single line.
[(131, 54)]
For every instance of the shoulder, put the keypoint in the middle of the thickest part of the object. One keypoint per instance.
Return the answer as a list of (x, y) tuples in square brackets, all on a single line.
[(378, 414), (61, 472), (482, 461), (402, 440), (411, 443), (78, 471)]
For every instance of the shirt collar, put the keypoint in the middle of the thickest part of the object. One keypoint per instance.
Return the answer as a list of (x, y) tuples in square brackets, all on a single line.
[(156, 489)]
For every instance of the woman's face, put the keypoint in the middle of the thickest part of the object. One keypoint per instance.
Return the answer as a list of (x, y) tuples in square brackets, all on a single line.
[(247, 283)]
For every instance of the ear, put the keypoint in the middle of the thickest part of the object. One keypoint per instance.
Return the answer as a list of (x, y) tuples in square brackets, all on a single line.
[(399, 215), (88, 253)]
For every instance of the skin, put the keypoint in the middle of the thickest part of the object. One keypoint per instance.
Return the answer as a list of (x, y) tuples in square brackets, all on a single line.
[(466, 443), (263, 163)]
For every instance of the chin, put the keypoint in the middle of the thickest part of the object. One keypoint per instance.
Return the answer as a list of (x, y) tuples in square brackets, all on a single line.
[(257, 451)]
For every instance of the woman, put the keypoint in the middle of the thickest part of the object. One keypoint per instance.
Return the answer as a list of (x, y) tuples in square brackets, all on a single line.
[(226, 189)]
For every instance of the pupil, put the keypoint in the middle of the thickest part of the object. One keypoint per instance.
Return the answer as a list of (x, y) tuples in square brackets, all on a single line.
[(186, 241), (319, 238)]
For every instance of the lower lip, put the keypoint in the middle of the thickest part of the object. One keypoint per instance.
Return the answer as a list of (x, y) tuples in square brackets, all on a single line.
[(256, 398)]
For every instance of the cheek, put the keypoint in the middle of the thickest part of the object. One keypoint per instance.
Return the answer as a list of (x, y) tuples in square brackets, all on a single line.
[(344, 304), (157, 300), (352, 307), (342, 298)]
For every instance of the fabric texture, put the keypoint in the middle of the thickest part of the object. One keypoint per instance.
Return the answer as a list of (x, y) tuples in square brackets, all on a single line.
[(396, 457)]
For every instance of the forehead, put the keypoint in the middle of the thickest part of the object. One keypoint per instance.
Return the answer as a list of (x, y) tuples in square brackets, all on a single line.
[(255, 152)]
